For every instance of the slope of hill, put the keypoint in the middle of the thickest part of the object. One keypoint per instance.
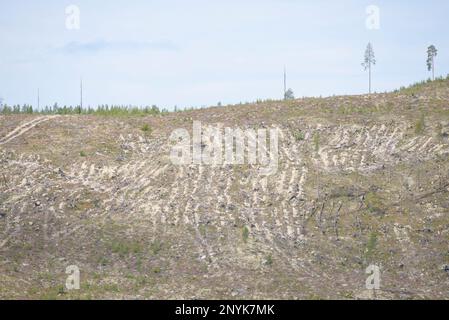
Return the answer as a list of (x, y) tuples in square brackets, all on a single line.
[(361, 180)]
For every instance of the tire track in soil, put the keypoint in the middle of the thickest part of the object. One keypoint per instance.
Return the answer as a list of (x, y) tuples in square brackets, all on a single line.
[(24, 128)]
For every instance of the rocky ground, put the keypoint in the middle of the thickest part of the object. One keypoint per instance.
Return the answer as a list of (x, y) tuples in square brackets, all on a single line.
[(362, 180)]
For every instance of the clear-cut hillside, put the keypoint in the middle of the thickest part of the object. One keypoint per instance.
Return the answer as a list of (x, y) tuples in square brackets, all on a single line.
[(361, 180)]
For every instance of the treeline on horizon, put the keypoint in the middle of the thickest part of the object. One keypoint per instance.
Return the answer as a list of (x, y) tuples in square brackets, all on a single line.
[(115, 110), (70, 110)]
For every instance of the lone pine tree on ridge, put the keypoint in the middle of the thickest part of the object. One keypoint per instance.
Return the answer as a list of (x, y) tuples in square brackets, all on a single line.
[(431, 54), (369, 61)]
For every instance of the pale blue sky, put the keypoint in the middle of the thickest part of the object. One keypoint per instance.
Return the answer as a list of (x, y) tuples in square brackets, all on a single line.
[(194, 53)]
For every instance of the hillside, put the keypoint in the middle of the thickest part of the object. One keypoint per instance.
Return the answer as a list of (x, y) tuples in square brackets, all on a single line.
[(361, 180)]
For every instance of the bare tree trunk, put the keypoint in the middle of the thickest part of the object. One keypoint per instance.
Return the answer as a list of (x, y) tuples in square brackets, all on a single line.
[(81, 95), (433, 69), (370, 78), (285, 81)]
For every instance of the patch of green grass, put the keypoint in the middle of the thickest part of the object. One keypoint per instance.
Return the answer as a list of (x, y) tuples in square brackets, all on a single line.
[(103, 261), (299, 135), (371, 245), (156, 247), (420, 125), (146, 128), (83, 154), (202, 230), (348, 295), (373, 202), (245, 234), (141, 281), (125, 248), (111, 287), (269, 260), (53, 293), (157, 270)]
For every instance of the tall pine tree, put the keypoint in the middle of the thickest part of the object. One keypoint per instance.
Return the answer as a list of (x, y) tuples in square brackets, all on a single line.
[(369, 61), (431, 54)]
